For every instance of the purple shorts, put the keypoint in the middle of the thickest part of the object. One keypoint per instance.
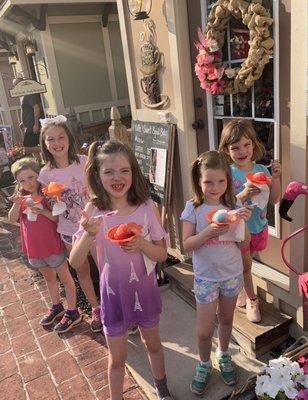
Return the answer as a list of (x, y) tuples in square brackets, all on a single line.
[(258, 241)]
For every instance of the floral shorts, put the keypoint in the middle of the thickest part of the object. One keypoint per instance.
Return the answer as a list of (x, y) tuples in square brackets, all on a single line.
[(207, 292)]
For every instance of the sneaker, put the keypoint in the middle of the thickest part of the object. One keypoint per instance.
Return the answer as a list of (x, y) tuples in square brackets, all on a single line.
[(67, 322), (133, 330), (227, 369), (96, 323), (241, 299), (253, 310), (52, 314), (200, 379), (164, 397)]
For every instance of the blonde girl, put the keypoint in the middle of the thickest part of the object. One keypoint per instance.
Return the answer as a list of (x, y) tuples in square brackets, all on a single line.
[(64, 165), (218, 266), (129, 293), (240, 143), (45, 251)]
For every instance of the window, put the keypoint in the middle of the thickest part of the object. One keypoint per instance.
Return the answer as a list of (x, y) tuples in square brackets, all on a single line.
[(259, 103)]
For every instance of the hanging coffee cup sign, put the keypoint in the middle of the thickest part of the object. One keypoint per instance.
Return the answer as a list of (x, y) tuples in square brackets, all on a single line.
[(150, 86), (151, 59)]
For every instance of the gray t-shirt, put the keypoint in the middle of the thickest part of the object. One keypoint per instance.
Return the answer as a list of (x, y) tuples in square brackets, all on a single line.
[(27, 111), (216, 260)]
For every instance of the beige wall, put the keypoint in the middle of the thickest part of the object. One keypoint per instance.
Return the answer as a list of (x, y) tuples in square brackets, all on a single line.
[(81, 61)]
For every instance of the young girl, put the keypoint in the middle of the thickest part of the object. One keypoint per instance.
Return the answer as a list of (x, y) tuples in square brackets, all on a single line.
[(64, 165), (239, 141), (129, 295), (218, 266), (45, 252)]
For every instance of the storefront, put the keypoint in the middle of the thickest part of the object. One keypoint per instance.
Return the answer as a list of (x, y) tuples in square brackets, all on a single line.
[(277, 103), (75, 50)]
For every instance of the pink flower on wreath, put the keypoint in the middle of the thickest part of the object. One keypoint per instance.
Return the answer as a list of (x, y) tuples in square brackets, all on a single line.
[(204, 58), (217, 87), (208, 65)]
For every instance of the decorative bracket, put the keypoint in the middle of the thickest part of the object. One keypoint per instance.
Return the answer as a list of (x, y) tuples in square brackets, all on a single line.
[(105, 13), (38, 23)]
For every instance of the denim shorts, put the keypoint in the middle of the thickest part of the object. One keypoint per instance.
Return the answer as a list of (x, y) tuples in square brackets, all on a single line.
[(53, 261), (67, 239), (207, 292)]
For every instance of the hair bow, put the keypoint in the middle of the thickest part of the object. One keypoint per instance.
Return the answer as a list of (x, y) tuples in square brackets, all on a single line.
[(52, 120)]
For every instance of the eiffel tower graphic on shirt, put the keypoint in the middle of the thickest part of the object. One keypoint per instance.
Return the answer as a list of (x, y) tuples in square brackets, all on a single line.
[(109, 290), (137, 303), (133, 275)]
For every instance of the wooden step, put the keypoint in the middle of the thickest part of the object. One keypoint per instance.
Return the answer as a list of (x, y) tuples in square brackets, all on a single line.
[(253, 339)]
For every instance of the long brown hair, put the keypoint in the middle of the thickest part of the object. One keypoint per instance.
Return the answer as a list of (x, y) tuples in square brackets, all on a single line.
[(234, 130), (139, 191), (22, 165), (212, 160), (72, 147)]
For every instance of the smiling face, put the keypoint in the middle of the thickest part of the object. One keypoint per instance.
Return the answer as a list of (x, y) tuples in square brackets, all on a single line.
[(116, 175), (57, 142), (27, 179), (241, 153), (213, 183)]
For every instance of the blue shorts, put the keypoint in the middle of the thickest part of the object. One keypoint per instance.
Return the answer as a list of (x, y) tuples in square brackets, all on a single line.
[(207, 292), (53, 261)]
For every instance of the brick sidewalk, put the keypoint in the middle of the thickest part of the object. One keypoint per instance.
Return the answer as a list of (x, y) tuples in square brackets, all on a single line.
[(36, 363)]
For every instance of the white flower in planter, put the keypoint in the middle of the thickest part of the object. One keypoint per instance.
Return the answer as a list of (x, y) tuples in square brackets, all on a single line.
[(281, 379)]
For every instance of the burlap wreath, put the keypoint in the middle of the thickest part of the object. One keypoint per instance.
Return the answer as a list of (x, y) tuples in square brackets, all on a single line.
[(219, 78)]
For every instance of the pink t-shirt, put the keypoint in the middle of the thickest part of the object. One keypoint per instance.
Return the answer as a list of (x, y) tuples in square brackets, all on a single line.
[(75, 194), (40, 238)]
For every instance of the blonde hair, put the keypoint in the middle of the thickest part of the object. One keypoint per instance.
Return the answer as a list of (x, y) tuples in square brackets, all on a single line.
[(22, 165), (139, 191), (234, 130), (72, 143), (212, 160)]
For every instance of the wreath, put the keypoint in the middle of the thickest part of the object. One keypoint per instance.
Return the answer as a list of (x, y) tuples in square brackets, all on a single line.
[(214, 75)]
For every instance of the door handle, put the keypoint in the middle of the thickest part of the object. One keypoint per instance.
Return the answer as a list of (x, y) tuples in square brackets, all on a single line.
[(198, 124)]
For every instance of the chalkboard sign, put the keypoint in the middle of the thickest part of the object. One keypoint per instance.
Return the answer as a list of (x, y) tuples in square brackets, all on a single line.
[(153, 147)]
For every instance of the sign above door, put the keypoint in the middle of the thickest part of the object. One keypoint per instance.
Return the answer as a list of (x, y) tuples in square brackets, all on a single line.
[(26, 87)]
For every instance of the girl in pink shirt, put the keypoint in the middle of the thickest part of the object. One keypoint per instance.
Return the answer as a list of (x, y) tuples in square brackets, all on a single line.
[(45, 252), (65, 166)]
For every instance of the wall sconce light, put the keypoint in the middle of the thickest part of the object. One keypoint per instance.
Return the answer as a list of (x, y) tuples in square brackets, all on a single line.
[(13, 58), (30, 47), (139, 9)]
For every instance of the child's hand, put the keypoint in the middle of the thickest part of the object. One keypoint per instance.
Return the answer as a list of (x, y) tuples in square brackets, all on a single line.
[(134, 246), (249, 191), (275, 169), (37, 210), (245, 212), (15, 198), (214, 230), (90, 225)]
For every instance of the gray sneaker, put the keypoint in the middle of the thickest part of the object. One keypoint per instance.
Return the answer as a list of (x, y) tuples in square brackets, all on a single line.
[(164, 397)]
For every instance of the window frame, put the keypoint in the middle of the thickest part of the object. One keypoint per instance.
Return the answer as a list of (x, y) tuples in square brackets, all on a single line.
[(274, 231)]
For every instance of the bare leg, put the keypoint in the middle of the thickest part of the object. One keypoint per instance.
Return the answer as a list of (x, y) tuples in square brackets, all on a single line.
[(248, 283), (116, 365), (50, 276), (154, 348), (206, 316), (226, 308), (69, 285)]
